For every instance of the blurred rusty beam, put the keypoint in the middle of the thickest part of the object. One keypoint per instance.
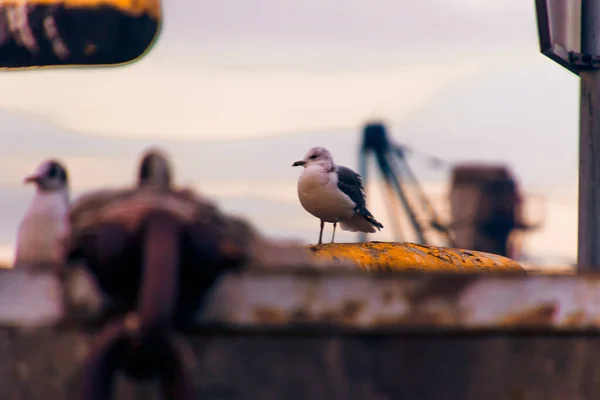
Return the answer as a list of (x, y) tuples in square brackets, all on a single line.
[(375, 335), (344, 299), (46, 364)]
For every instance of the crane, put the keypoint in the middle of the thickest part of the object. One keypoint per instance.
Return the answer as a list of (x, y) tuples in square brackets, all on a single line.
[(391, 160), (485, 199)]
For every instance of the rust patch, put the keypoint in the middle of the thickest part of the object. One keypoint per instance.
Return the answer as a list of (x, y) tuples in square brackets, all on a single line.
[(575, 318), (391, 321), (300, 315), (422, 318), (351, 309), (269, 315), (384, 256), (431, 318), (387, 297), (539, 315), (327, 316), (314, 248), (445, 287)]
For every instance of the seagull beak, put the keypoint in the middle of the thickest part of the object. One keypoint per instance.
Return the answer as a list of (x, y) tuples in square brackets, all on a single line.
[(299, 164), (31, 179)]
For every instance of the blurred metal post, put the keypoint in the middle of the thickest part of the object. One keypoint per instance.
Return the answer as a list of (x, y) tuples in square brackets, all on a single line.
[(588, 257)]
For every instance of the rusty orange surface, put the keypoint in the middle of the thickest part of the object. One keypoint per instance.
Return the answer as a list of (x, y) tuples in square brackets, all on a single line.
[(134, 7), (414, 257)]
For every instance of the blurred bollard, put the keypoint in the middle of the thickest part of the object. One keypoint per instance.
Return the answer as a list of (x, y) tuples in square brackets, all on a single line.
[(381, 256)]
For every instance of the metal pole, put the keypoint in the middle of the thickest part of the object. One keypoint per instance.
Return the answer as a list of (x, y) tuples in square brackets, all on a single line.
[(588, 257)]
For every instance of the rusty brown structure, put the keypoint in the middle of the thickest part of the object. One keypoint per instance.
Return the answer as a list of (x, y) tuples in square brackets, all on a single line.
[(487, 209), (344, 334)]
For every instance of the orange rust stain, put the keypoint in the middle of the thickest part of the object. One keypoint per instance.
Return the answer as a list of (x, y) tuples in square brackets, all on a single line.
[(416, 319), (575, 318), (347, 313), (413, 257), (269, 315), (387, 297), (389, 320), (351, 310), (134, 7), (327, 316), (540, 315), (300, 315)]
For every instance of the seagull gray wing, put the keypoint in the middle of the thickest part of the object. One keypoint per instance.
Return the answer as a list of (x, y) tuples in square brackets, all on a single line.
[(351, 184)]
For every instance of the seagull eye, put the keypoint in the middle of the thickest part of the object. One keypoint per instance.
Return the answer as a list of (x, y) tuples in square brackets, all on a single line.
[(314, 156), (52, 173)]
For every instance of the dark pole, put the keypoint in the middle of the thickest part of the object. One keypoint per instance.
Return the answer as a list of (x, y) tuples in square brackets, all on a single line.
[(588, 257)]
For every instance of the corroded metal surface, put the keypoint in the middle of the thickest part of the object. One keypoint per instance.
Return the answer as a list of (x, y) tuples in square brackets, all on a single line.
[(398, 300), (45, 364), (413, 257), (265, 299)]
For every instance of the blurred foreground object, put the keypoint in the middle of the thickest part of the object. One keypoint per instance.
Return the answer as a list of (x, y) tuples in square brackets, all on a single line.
[(43, 226), (76, 32), (378, 256), (154, 251), (284, 333)]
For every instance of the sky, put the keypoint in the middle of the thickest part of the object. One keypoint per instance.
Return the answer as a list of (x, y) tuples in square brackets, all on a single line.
[(238, 90)]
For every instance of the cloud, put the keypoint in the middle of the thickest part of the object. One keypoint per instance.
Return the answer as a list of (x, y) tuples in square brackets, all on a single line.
[(85, 172), (183, 103), (347, 26), (493, 8), (256, 68)]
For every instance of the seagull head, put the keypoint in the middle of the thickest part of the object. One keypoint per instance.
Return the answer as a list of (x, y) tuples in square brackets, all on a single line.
[(50, 176), (154, 169), (316, 156)]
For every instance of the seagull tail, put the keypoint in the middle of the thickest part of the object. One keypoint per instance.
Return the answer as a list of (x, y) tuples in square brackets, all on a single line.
[(362, 221), (369, 217)]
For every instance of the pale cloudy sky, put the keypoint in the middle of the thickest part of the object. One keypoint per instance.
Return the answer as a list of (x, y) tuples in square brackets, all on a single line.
[(461, 79)]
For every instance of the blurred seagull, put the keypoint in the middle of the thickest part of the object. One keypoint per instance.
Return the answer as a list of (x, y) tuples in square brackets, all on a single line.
[(43, 226), (333, 194)]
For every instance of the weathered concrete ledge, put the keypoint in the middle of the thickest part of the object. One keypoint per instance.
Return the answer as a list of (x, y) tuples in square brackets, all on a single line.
[(339, 298), (389, 256), (298, 334)]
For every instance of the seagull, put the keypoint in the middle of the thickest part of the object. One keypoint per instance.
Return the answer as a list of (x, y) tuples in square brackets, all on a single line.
[(333, 194), (43, 226)]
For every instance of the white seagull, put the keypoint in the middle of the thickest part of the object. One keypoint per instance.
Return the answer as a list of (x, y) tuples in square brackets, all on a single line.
[(333, 194), (43, 226)]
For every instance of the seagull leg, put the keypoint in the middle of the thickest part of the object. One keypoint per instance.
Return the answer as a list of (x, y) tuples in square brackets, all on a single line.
[(333, 236), (321, 233)]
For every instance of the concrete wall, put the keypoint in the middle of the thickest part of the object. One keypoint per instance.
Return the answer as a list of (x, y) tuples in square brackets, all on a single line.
[(345, 335), (237, 366)]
